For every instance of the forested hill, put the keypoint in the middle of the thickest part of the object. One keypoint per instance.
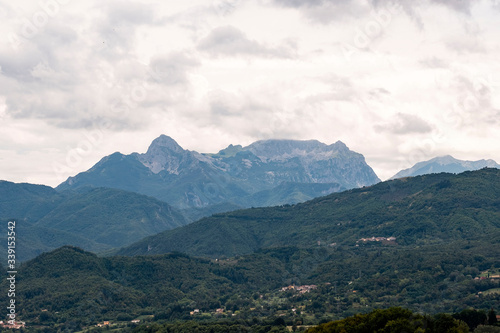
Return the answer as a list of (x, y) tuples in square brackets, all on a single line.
[(69, 289), (94, 219), (429, 209)]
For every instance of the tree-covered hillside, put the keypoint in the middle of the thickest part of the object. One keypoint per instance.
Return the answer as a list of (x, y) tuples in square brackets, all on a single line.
[(430, 209), (69, 288), (112, 217), (304, 264), (27, 202), (93, 219)]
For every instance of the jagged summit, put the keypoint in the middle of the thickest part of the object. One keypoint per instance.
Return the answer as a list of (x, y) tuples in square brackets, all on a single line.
[(339, 145), (235, 175), (164, 154), (164, 141)]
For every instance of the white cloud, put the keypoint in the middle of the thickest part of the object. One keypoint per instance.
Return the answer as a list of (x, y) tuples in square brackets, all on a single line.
[(229, 41), (407, 124)]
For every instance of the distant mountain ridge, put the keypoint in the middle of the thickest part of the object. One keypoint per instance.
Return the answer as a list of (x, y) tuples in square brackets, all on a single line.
[(233, 176), (445, 164)]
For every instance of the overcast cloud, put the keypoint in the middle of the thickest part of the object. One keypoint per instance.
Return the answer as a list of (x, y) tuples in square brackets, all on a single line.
[(397, 81)]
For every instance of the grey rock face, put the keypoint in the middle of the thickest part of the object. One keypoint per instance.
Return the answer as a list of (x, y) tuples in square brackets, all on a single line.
[(235, 175)]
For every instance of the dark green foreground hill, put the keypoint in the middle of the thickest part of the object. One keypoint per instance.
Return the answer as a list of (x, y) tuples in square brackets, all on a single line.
[(431, 209), (69, 289), (395, 320)]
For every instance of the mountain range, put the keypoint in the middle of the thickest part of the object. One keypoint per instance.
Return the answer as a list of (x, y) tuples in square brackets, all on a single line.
[(445, 164), (116, 203), (235, 176), (125, 198)]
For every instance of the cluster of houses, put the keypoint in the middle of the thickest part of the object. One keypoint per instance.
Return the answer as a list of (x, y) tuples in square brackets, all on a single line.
[(21, 324), (197, 311), (194, 312), (217, 312), (103, 324), (377, 239), (491, 277), (107, 323), (16, 325), (301, 289)]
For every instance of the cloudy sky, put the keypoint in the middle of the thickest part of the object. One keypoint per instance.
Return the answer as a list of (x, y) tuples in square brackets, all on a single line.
[(397, 81)]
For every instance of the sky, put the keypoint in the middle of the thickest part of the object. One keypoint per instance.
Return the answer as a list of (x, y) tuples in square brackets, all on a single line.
[(397, 81)]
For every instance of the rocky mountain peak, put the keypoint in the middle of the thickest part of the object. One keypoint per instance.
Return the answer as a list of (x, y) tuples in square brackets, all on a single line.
[(235, 175), (164, 141), (339, 145), (164, 153)]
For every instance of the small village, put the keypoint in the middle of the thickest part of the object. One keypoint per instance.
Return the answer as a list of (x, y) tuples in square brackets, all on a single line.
[(488, 275), (377, 239), (16, 325), (108, 323), (301, 289)]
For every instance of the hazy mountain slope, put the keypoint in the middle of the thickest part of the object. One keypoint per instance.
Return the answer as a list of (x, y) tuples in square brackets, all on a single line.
[(445, 164), (112, 217), (116, 171), (194, 214), (33, 240), (92, 218), (187, 179), (292, 193), (426, 209), (27, 202)]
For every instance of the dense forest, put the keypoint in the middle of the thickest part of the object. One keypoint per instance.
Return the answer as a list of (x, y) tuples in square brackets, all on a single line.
[(93, 219), (420, 211), (423, 244), (73, 289), (395, 320)]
